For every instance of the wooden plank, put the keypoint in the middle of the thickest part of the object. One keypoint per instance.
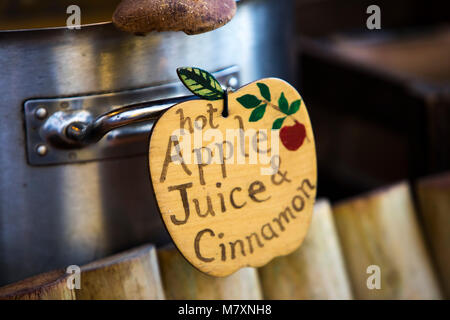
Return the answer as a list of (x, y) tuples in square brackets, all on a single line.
[(434, 200), (47, 286), (380, 229), (182, 281), (421, 56), (133, 274), (314, 271)]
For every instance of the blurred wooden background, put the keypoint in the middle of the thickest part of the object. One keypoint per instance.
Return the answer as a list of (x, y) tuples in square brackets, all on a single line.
[(345, 241)]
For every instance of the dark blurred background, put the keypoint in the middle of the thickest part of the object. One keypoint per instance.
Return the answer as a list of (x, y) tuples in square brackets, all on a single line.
[(378, 99)]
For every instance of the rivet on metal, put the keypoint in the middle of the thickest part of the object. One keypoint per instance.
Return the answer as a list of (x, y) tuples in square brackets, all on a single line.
[(232, 82), (41, 113), (41, 149)]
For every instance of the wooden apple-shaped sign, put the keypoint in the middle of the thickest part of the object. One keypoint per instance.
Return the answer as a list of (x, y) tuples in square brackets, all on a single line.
[(230, 194)]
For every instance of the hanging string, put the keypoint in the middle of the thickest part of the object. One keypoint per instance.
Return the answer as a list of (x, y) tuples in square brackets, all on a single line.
[(225, 103)]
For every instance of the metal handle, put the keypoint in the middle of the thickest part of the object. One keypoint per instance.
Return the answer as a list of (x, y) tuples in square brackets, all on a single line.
[(82, 133), (69, 130)]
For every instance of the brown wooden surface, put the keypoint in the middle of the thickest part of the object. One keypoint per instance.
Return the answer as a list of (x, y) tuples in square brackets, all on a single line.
[(133, 274), (182, 281), (31, 14), (380, 229), (316, 270), (47, 286), (278, 215), (434, 200), (419, 56)]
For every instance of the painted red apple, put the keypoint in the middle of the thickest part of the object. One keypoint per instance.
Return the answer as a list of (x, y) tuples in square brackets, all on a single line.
[(293, 137)]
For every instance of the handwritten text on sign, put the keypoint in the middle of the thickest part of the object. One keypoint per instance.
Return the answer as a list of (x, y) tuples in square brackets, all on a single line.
[(229, 193)]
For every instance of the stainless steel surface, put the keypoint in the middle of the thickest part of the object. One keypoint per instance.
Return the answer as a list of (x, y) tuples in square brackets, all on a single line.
[(58, 215), (91, 127)]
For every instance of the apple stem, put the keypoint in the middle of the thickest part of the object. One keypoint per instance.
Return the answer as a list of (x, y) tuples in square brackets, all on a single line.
[(279, 110)]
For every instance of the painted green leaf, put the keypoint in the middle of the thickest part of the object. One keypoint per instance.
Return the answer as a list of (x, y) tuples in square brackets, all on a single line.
[(294, 106), (264, 89), (278, 123), (249, 101), (201, 83), (258, 113), (283, 104)]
